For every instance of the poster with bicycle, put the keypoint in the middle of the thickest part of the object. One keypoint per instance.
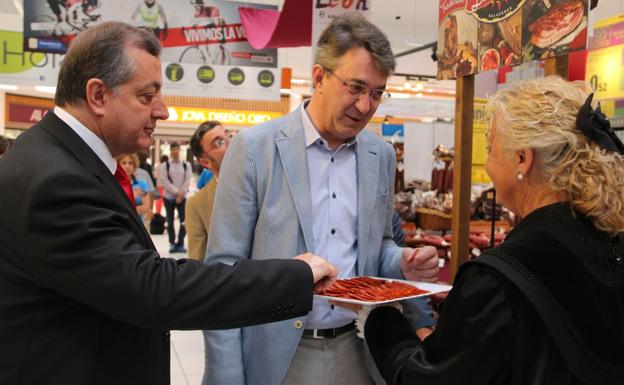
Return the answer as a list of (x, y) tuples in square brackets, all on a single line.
[(50, 25), (205, 48), (193, 31)]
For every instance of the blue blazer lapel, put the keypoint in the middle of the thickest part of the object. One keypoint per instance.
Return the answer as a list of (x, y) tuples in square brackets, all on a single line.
[(367, 174), (291, 148)]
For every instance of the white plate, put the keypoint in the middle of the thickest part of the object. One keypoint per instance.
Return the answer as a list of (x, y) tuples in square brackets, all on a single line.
[(432, 288)]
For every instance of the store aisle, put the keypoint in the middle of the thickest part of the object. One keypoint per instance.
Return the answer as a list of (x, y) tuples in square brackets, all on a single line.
[(187, 347)]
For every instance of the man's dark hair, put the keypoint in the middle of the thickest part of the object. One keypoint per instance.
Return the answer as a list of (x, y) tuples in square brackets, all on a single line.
[(349, 31), (101, 52), (174, 145), (203, 128)]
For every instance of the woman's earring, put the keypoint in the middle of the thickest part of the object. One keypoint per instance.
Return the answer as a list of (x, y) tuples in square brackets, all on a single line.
[(520, 176)]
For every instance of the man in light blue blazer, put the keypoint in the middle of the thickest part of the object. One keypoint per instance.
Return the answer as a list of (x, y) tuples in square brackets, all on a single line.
[(313, 181)]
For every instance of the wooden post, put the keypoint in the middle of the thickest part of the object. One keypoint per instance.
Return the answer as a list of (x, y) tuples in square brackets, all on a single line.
[(462, 172)]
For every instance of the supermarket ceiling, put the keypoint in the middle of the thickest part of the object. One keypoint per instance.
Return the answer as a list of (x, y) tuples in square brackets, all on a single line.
[(408, 23)]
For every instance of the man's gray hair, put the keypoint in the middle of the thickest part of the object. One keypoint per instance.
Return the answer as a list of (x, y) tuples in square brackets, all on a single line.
[(352, 30), (101, 52)]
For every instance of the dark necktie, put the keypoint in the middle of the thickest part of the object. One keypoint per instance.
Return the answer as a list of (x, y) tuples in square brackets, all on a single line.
[(124, 181)]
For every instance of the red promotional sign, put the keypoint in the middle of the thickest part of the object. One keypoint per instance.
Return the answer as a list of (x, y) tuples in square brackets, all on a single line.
[(457, 40), (493, 10), (29, 115), (484, 35), (449, 6), (474, 5), (198, 35)]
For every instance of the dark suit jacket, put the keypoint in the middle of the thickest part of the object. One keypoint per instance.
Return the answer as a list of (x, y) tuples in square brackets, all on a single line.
[(84, 297), (490, 333)]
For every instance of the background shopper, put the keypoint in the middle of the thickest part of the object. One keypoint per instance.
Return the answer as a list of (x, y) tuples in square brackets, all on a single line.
[(175, 176), (140, 188), (208, 144)]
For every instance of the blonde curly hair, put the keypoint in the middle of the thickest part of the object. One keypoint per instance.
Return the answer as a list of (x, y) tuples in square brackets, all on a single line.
[(134, 159), (541, 115)]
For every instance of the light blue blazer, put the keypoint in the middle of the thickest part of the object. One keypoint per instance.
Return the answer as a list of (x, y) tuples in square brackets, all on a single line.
[(263, 210)]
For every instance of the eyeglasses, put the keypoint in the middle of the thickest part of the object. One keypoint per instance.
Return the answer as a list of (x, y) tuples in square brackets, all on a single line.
[(356, 89), (220, 141)]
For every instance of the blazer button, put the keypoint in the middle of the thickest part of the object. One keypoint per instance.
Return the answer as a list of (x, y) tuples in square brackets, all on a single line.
[(167, 336), (298, 324)]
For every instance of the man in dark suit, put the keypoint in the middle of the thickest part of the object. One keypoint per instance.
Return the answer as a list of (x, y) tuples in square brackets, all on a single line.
[(84, 296)]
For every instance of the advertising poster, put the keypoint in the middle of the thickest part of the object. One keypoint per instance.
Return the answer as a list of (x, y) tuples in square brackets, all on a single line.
[(604, 72), (192, 79), (21, 67), (483, 35), (50, 25), (323, 11), (191, 31), (479, 142), (500, 32), (608, 32), (554, 27), (457, 40), (205, 49)]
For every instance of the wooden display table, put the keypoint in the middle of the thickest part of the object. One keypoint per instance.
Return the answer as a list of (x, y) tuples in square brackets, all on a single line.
[(429, 219), (486, 226)]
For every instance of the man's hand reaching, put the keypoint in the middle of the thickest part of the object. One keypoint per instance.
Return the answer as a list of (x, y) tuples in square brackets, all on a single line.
[(420, 264), (324, 272)]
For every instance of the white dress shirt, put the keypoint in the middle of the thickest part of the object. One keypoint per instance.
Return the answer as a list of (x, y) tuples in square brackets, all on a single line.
[(93, 141), (333, 188)]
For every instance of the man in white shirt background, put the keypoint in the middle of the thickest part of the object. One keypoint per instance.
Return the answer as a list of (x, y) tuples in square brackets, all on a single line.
[(175, 176)]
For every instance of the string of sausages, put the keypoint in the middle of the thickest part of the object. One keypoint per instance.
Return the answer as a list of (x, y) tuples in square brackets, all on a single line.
[(371, 289)]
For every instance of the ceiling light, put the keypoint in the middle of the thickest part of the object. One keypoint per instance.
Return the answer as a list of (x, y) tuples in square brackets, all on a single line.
[(399, 95), (8, 87), (300, 81), (412, 43), (46, 89)]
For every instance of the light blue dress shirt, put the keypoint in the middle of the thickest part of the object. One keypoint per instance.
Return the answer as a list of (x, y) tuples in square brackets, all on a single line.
[(333, 188)]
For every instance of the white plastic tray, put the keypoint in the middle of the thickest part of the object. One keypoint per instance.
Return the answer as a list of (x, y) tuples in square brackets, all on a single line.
[(432, 288)]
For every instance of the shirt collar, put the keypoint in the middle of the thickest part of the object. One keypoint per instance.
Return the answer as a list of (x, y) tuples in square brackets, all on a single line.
[(93, 141), (311, 133)]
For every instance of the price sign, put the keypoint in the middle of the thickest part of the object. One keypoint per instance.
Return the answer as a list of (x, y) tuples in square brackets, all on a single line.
[(479, 142), (604, 72)]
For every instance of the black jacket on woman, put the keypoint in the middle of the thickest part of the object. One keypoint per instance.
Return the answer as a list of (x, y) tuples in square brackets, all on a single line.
[(490, 333)]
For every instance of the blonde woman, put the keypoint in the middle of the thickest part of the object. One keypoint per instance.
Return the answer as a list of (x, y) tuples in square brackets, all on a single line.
[(140, 187), (547, 306)]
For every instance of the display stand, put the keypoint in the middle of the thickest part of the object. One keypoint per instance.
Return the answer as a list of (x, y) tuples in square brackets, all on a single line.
[(460, 214), (429, 219)]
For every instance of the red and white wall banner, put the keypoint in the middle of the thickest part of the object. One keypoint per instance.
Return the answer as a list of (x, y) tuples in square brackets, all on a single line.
[(206, 52), (323, 11)]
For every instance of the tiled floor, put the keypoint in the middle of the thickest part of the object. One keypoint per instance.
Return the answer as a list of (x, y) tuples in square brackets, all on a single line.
[(187, 347)]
